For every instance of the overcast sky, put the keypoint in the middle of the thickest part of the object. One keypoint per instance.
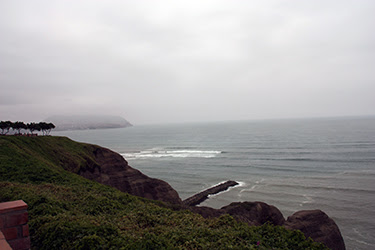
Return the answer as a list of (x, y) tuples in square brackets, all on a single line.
[(187, 61)]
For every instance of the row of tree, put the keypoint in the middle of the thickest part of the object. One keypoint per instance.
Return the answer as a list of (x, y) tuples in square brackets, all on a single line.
[(5, 127)]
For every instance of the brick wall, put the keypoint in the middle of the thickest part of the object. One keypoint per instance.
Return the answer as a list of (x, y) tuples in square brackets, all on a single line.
[(13, 224), (3, 242)]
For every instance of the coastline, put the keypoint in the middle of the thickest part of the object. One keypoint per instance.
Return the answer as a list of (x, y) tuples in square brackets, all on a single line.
[(280, 162)]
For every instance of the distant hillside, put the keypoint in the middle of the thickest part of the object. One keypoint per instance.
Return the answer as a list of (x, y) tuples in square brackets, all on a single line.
[(79, 122)]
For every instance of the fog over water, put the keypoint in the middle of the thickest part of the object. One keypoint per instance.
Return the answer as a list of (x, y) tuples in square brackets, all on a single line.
[(186, 61)]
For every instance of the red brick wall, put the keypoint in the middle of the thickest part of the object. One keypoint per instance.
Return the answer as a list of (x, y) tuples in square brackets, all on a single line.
[(3, 242), (13, 224)]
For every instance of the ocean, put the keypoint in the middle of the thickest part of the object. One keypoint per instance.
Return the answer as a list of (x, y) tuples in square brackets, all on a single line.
[(296, 164)]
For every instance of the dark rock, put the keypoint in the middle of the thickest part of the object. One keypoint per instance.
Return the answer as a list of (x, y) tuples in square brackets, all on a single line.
[(202, 196), (317, 225), (255, 213), (113, 170), (207, 212)]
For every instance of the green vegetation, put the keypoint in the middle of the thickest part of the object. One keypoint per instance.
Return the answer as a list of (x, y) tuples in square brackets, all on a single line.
[(67, 211)]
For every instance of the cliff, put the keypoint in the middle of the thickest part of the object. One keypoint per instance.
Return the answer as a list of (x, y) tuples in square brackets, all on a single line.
[(112, 169), (95, 163), (68, 211)]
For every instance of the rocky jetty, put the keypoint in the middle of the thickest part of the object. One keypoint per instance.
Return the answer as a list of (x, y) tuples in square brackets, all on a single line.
[(202, 196), (112, 169)]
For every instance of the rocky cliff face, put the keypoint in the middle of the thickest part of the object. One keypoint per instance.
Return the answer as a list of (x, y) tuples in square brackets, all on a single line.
[(113, 170)]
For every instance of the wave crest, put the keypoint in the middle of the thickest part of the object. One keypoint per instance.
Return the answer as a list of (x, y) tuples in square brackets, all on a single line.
[(181, 153)]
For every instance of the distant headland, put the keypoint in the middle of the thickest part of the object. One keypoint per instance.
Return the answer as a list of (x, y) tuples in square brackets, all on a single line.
[(82, 122)]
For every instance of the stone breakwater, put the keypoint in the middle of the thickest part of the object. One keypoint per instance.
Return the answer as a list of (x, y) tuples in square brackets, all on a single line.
[(202, 196)]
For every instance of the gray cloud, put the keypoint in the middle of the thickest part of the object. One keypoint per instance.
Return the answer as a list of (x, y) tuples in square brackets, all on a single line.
[(166, 61)]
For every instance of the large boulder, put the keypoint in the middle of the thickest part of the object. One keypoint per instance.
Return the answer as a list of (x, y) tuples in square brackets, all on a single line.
[(312, 223), (255, 213), (317, 225), (112, 169)]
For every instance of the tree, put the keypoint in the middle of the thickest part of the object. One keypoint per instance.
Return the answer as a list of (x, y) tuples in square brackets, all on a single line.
[(37, 127), (50, 127), (5, 127), (32, 126), (19, 126), (46, 127), (43, 127)]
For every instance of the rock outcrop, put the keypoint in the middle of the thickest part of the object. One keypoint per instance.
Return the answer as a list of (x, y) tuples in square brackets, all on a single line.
[(314, 223), (317, 225), (207, 212), (255, 213), (112, 169)]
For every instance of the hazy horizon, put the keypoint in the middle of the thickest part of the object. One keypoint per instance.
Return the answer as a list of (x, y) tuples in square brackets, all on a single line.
[(273, 119), (154, 62)]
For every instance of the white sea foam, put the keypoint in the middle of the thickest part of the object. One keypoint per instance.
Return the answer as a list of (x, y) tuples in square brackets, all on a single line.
[(241, 183), (308, 199), (357, 231), (217, 184), (360, 241), (224, 191), (367, 172), (160, 153), (251, 187)]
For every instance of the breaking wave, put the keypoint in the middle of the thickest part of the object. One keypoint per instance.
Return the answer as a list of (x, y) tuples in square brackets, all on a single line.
[(181, 153)]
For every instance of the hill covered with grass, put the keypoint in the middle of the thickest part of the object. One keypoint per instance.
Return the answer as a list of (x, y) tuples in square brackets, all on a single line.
[(67, 211)]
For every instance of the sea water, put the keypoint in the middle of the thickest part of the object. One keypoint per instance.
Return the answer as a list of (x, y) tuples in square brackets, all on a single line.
[(326, 164)]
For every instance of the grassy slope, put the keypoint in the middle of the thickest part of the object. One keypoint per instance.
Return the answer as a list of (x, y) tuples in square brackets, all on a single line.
[(67, 211)]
